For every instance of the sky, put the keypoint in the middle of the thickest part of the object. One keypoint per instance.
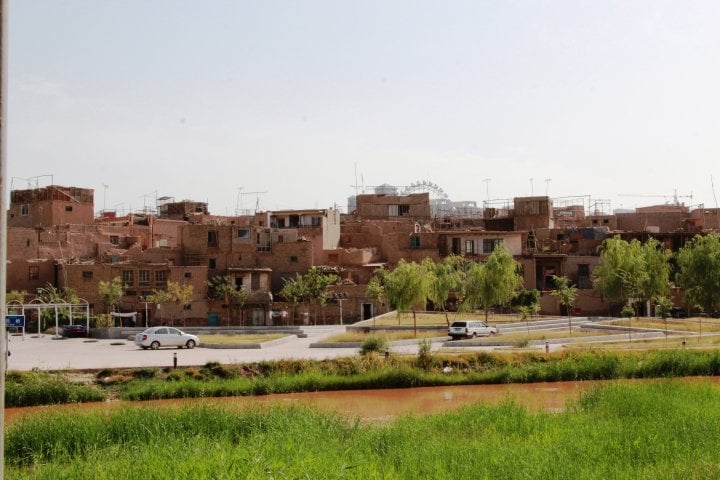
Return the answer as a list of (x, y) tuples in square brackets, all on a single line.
[(312, 101)]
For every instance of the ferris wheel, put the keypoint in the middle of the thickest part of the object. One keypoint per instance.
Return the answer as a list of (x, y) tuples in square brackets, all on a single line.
[(440, 202)]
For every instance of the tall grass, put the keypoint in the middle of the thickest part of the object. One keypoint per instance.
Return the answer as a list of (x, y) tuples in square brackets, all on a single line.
[(361, 372), (35, 388), (377, 372), (660, 430)]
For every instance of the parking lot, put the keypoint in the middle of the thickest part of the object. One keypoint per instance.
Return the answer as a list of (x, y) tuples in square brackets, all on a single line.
[(47, 353)]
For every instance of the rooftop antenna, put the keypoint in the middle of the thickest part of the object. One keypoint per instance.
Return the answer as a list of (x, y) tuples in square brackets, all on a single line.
[(717, 212), (356, 184), (532, 187), (487, 188), (547, 185), (238, 202), (257, 199), (105, 187)]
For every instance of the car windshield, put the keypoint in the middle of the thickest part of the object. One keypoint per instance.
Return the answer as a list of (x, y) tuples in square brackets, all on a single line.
[(458, 324)]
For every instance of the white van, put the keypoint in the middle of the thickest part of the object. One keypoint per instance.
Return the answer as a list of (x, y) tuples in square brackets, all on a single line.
[(470, 329)]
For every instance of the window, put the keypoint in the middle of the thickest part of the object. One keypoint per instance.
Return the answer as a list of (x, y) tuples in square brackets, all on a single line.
[(403, 210), (293, 258), (315, 221), (255, 281), (414, 242), (187, 307), (87, 274), (584, 281), (212, 265), (34, 272), (188, 275), (160, 278), (392, 210), (238, 283), (128, 278), (606, 221), (25, 209), (144, 278), (243, 233), (68, 208), (469, 247), (212, 238), (490, 244), (115, 240)]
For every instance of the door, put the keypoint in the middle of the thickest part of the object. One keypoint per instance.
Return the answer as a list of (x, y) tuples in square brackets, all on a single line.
[(367, 311)]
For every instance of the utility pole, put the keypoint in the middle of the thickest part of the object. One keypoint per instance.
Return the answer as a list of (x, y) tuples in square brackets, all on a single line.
[(4, 11)]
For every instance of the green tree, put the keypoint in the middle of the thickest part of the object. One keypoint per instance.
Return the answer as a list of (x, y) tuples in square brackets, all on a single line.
[(656, 263), (182, 296), (376, 287), (620, 275), (16, 296), (221, 287), (406, 287), (317, 283), (527, 303), (294, 292), (494, 282), (111, 292), (567, 294), (160, 298), (52, 294), (699, 264), (443, 278), (632, 272), (663, 307)]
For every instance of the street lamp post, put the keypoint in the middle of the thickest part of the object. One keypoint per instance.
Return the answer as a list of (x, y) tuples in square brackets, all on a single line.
[(143, 299)]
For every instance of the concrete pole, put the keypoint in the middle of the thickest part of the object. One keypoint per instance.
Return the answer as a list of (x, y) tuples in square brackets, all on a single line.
[(4, 11)]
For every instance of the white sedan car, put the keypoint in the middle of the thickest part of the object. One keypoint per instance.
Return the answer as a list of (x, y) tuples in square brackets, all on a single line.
[(156, 337)]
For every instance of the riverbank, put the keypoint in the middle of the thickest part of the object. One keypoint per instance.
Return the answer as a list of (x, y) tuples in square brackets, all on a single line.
[(352, 373), (614, 431)]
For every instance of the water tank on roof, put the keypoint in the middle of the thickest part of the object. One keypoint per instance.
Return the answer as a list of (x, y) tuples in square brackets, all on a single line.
[(351, 203), (386, 189)]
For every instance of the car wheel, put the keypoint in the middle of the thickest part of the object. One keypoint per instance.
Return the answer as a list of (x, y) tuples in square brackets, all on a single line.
[(155, 345), (474, 335), (190, 344), (144, 348)]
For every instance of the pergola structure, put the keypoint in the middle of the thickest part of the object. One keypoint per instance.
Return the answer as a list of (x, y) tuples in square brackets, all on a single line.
[(38, 305)]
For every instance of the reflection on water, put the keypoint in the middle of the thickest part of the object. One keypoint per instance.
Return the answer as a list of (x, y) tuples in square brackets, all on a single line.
[(376, 405)]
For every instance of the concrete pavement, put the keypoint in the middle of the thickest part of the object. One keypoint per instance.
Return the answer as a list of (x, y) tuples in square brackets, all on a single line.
[(47, 353)]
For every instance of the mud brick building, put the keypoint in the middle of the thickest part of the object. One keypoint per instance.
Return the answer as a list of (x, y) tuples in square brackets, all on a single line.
[(55, 237)]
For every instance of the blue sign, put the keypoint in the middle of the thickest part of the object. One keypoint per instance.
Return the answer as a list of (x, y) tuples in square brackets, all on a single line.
[(14, 320)]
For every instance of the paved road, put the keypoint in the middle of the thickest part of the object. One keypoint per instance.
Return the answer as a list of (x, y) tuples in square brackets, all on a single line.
[(46, 353)]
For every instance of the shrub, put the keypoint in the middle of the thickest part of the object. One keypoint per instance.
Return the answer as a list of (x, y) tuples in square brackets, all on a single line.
[(424, 358), (373, 344), (143, 373), (215, 369), (104, 320)]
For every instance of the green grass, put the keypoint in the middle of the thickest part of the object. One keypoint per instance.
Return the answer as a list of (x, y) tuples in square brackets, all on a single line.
[(39, 388), (360, 372), (660, 430), (373, 371), (438, 318), (228, 339), (387, 335)]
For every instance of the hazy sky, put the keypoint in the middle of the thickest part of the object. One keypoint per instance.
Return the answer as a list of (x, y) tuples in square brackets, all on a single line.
[(197, 99)]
